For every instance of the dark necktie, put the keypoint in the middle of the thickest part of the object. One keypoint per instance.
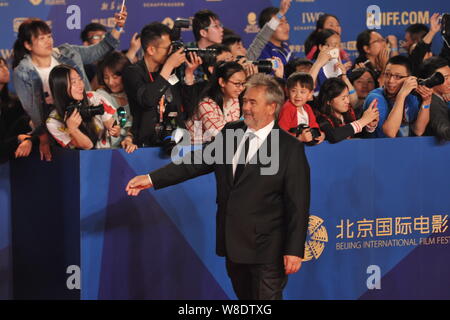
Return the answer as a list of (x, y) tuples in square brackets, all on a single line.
[(241, 164)]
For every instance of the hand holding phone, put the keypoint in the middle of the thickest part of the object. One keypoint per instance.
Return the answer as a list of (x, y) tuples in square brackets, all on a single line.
[(334, 53)]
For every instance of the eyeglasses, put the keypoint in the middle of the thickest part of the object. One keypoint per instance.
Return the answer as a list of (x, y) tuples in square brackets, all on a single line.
[(217, 25), (237, 84), (388, 75)]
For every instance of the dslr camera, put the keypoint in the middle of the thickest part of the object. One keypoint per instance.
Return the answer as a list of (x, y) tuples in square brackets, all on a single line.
[(164, 130), (207, 55), (264, 66), (301, 127), (86, 112), (434, 80)]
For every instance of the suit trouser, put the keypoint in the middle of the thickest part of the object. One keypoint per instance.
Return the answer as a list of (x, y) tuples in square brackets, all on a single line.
[(257, 281)]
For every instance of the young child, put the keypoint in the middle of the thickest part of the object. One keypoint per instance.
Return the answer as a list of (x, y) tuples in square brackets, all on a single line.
[(296, 111)]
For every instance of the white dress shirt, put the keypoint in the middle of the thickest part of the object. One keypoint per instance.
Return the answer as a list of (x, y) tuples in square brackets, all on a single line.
[(258, 139)]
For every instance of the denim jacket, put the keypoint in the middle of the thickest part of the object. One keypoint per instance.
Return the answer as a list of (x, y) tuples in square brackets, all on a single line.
[(28, 84)]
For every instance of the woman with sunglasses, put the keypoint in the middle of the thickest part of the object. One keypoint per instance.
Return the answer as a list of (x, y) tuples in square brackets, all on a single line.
[(219, 103), (110, 78)]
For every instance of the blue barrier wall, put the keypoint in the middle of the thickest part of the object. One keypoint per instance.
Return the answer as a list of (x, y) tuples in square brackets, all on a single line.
[(5, 234), (378, 227), (380, 216)]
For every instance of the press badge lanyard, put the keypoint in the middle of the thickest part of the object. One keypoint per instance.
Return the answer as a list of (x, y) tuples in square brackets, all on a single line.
[(161, 105)]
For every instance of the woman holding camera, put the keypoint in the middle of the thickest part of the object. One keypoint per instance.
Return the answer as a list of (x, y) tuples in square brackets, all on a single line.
[(34, 58), (219, 102), (80, 119), (110, 78), (337, 118)]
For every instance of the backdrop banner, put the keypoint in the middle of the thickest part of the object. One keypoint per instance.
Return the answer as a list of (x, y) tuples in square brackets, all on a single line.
[(68, 17), (378, 227)]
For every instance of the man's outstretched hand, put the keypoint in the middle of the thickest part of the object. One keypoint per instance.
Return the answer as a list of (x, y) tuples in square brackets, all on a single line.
[(137, 184)]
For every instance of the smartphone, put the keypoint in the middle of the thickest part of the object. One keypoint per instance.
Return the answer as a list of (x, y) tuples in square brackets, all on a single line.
[(275, 64), (334, 53)]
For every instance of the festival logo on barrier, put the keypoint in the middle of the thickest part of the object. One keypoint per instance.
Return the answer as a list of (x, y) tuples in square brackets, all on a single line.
[(252, 26), (317, 238), (35, 2), (380, 232)]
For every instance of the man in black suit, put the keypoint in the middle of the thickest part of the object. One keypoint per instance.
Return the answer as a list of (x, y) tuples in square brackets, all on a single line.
[(263, 202)]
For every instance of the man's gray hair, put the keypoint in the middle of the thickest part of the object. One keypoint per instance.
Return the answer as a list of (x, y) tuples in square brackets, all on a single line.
[(274, 93)]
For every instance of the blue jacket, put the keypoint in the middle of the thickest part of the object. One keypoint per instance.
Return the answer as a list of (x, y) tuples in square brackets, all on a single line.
[(28, 84), (412, 107), (271, 50)]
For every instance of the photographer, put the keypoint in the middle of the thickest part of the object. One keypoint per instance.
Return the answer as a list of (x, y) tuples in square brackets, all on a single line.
[(401, 112), (79, 120), (439, 125), (34, 58), (156, 96)]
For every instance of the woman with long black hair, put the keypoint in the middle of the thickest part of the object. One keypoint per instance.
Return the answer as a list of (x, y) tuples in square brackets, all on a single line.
[(35, 57), (80, 119), (337, 118), (219, 102), (109, 76)]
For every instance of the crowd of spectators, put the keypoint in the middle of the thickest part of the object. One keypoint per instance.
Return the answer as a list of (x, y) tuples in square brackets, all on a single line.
[(92, 96)]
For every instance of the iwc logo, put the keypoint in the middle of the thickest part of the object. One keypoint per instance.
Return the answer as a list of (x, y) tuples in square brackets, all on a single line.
[(317, 237), (252, 26), (35, 2), (168, 22)]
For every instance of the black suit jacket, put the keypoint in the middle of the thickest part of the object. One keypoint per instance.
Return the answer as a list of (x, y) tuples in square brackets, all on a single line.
[(260, 218), (144, 95)]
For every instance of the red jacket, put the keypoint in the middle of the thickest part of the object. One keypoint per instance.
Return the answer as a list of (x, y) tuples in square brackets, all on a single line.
[(288, 117)]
